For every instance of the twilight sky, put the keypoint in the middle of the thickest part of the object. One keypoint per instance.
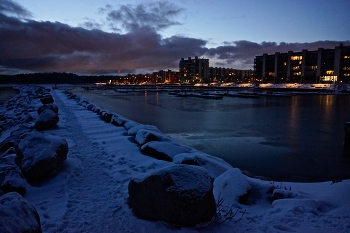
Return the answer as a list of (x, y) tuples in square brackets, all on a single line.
[(108, 36)]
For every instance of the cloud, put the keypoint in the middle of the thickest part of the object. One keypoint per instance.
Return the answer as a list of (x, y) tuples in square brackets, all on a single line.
[(11, 8), (37, 46), (157, 15), (53, 46), (91, 24), (243, 52)]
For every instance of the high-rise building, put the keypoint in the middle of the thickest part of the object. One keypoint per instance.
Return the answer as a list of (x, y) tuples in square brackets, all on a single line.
[(193, 70), (320, 66)]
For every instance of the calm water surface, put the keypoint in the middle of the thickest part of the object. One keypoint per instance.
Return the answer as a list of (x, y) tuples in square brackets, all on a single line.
[(292, 139), (6, 93)]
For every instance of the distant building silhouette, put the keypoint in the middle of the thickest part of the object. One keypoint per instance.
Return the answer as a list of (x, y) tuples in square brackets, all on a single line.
[(193, 70), (320, 66), (198, 71)]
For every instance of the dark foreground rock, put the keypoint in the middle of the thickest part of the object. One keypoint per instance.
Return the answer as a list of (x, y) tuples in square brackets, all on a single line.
[(17, 215), (46, 120), (46, 99), (40, 155), (179, 194), (44, 107), (11, 178)]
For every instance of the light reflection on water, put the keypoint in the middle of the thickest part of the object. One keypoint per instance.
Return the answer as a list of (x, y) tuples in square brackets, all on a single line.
[(298, 138)]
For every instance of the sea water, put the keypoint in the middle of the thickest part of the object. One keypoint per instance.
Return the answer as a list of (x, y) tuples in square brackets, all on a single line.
[(6, 93), (299, 138)]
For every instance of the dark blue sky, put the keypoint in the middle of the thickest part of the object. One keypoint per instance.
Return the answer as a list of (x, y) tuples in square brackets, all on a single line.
[(87, 36)]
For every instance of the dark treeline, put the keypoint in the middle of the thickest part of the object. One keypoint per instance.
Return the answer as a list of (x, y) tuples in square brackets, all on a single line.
[(53, 78)]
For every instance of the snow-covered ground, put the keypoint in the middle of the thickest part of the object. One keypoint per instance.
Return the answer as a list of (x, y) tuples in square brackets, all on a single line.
[(90, 192)]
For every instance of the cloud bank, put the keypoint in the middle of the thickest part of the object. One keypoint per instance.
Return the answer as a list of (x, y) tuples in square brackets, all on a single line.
[(136, 43)]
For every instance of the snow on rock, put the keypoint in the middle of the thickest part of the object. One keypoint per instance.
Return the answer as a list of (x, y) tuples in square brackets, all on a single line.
[(163, 150), (13, 139), (47, 99), (232, 187), (130, 124), (118, 120), (106, 115), (11, 178), (179, 194), (17, 215), (282, 194), (52, 107), (215, 166), (40, 155), (46, 120), (144, 136), (133, 131)]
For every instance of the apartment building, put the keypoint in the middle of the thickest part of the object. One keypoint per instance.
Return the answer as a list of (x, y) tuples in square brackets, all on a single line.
[(320, 66)]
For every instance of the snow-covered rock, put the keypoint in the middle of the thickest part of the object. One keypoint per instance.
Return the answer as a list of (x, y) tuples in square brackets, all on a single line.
[(163, 150), (144, 136), (214, 165), (107, 116), (18, 215), (118, 120), (52, 107), (232, 187), (280, 193), (130, 124), (13, 139), (11, 178), (47, 99), (133, 131), (40, 155), (46, 120), (179, 194)]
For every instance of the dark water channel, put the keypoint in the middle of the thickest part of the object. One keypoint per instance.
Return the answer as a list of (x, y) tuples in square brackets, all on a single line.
[(291, 139), (6, 93)]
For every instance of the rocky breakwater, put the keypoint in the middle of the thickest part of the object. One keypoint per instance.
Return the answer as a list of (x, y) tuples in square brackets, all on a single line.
[(28, 154), (191, 191)]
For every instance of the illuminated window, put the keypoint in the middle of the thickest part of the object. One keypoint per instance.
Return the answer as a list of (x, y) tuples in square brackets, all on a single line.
[(297, 73), (300, 62), (346, 68), (296, 58), (285, 63), (329, 78), (295, 67), (311, 67), (271, 74), (346, 57), (347, 75), (329, 72)]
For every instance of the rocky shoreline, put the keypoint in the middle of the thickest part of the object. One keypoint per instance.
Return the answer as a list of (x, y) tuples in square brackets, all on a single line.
[(96, 171)]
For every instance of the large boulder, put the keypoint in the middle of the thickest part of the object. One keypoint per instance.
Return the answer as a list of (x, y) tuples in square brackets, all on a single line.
[(106, 115), (41, 154), (214, 165), (118, 120), (144, 136), (46, 120), (179, 194), (163, 150), (133, 131), (232, 187), (18, 215), (47, 99), (44, 107), (11, 178)]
